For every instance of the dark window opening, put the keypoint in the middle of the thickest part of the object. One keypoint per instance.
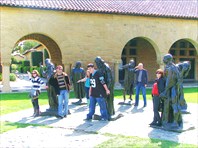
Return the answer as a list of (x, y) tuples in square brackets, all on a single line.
[(182, 45), (191, 53), (133, 43), (182, 52), (132, 51), (173, 52)]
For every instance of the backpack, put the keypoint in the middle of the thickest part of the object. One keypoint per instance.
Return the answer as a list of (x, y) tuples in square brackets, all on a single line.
[(155, 89)]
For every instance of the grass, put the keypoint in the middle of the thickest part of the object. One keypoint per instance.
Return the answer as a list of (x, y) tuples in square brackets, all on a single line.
[(190, 94), (12, 102), (119, 141), (6, 126)]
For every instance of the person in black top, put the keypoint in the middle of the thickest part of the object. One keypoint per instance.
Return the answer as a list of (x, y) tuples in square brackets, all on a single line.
[(98, 92), (105, 70), (160, 82)]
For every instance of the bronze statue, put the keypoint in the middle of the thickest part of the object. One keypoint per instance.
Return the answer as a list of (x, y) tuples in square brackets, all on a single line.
[(106, 71), (77, 74), (129, 78), (184, 68), (48, 73), (172, 117)]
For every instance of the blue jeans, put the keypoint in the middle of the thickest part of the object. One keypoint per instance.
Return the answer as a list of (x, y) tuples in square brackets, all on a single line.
[(140, 86), (63, 100), (103, 108), (87, 92)]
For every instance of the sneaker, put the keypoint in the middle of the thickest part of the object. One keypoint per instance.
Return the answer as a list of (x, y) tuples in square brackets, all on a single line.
[(59, 117), (69, 113)]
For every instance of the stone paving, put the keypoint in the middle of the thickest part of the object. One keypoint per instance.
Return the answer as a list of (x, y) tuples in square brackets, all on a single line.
[(73, 131)]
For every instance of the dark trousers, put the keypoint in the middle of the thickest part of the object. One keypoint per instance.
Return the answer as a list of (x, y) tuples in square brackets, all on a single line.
[(156, 102), (35, 103)]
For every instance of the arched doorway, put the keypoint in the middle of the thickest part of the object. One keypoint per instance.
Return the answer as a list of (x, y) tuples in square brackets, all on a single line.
[(141, 50), (183, 50), (50, 44)]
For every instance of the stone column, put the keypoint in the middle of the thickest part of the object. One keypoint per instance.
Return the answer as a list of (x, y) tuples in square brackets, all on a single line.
[(6, 77), (116, 74), (161, 66), (67, 68)]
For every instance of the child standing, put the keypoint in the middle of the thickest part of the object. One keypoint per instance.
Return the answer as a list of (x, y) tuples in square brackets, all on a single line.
[(158, 88), (35, 90)]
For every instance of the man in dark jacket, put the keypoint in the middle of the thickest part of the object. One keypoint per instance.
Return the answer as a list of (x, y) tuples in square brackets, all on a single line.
[(60, 81), (141, 83)]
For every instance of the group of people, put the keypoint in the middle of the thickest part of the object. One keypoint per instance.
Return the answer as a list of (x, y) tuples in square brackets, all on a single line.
[(98, 84)]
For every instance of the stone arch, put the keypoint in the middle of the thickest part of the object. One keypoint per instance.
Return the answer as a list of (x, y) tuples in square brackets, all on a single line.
[(186, 50), (49, 43), (144, 50)]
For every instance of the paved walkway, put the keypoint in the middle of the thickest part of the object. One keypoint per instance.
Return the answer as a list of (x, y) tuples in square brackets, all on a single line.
[(74, 132)]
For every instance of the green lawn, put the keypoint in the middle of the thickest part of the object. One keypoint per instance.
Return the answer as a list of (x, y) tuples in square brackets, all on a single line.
[(120, 141), (12, 102), (6, 126)]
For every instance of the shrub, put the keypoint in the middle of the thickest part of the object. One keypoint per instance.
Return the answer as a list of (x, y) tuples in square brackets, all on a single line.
[(26, 63), (14, 67), (12, 77), (26, 68)]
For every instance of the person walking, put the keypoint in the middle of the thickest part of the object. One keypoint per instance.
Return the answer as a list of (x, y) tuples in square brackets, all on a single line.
[(98, 91), (141, 83), (158, 87), (35, 90), (61, 83)]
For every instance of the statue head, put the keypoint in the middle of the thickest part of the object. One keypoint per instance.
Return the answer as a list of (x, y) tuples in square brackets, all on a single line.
[(131, 63), (168, 58), (78, 64), (47, 61), (99, 62), (184, 68)]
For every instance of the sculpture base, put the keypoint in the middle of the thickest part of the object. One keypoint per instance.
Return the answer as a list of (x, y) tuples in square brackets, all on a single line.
[(185, 112), (126, 103), (112, 118), (180, 129), (80, 102), (49, 112), (52, 112)]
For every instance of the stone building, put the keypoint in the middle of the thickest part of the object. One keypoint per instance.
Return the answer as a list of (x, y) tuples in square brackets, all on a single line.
[(143, 30)]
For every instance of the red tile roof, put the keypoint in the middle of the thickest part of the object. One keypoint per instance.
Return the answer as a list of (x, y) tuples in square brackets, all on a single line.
[(158, 8)]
